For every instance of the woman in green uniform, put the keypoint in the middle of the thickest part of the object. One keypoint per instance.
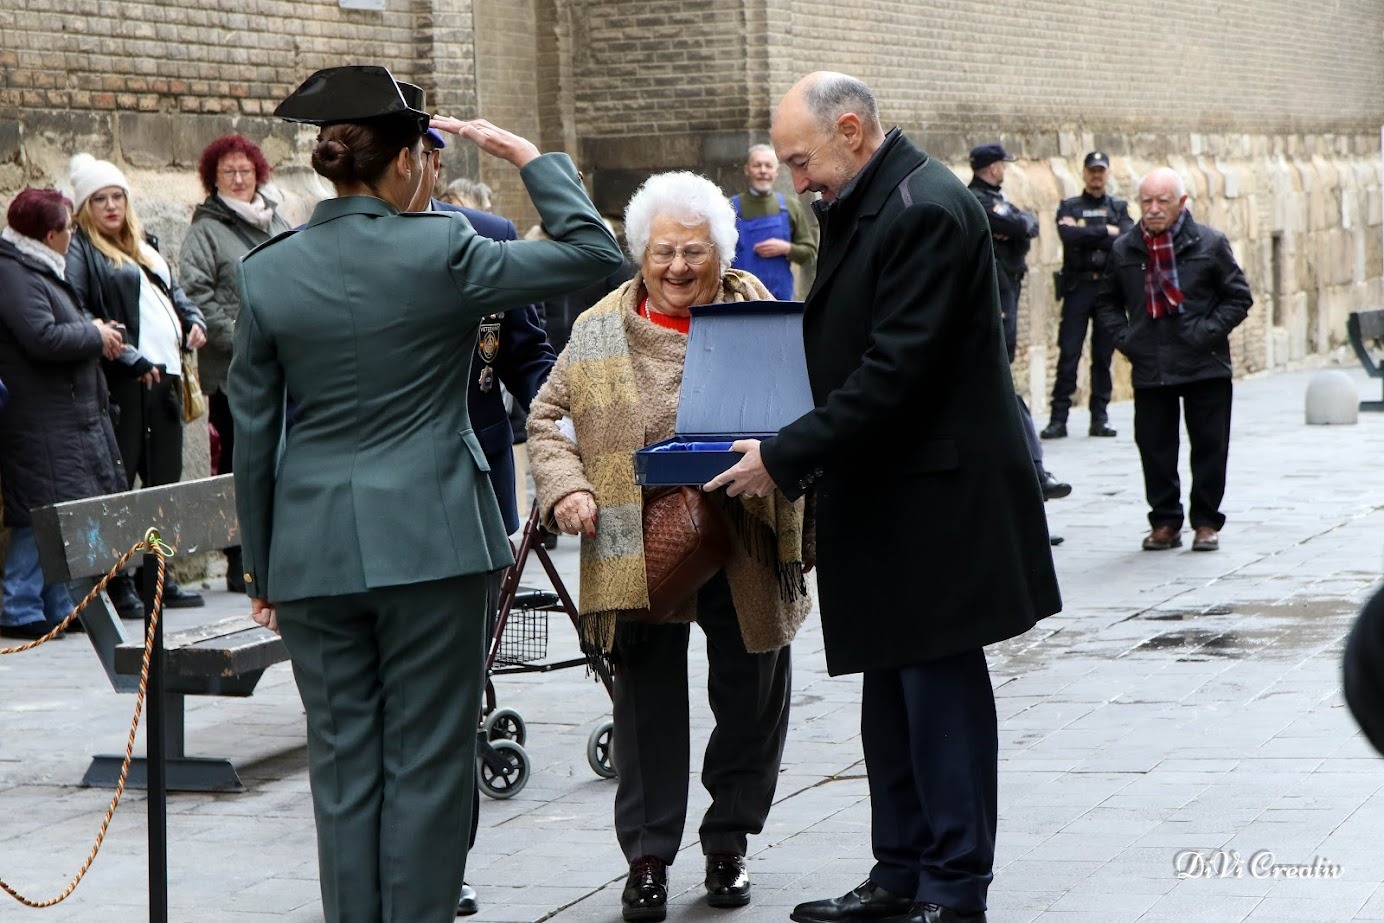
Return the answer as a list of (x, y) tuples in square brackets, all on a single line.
[(368, 529)]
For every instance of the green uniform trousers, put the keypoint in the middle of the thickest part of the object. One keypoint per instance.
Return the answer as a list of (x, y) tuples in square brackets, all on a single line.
[(391, 680)]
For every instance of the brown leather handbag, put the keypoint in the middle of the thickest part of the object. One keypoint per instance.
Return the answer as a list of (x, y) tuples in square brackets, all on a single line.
[(685, 543)]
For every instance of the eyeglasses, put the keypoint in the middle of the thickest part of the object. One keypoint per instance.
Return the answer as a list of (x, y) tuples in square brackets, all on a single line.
[(231, 174), (692, 254)]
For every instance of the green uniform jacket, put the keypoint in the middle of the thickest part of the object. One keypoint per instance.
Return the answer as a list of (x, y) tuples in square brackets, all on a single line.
[(366, 320)]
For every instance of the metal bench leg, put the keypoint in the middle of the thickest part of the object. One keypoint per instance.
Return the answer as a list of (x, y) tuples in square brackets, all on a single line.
[(184, 773)]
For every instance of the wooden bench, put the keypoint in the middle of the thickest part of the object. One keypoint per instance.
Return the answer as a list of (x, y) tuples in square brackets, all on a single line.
[(80, 540), (1365, 329)]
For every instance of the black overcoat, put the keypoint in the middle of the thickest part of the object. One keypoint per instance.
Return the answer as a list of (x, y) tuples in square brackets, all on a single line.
[(931, 537), (56, 441)]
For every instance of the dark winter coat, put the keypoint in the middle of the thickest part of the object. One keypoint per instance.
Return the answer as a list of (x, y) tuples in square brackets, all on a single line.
[(1014, 230), (112, 293), (931, 536), (56, 441), (1177, 348), (210, 264)]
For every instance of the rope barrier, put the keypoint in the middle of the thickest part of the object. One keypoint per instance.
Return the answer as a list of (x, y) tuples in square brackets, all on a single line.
[(150, 544)]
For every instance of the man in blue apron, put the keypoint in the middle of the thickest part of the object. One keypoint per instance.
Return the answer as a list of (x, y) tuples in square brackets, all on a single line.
[(774, 230)]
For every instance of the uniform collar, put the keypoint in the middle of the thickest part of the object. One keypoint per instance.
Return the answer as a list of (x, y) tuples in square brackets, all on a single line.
[(330, 209)]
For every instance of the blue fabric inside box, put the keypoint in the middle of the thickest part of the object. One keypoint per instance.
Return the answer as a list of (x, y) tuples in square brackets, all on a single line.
[(744, 378)]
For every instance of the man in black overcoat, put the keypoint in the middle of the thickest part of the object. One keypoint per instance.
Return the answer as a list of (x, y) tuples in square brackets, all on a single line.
[(919, 468)]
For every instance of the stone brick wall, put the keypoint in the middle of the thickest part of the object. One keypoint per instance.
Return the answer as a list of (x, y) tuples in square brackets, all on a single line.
[(1271, 110)]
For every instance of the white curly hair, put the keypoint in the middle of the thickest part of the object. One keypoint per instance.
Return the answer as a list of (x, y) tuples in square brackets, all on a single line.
[(689, 198)]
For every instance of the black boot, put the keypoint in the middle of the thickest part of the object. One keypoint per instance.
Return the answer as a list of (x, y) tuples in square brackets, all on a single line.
[(1056, 429), (235, 573), (124, 597)]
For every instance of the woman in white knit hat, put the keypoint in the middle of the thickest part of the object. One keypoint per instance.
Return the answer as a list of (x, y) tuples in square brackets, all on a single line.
[(119, 275)]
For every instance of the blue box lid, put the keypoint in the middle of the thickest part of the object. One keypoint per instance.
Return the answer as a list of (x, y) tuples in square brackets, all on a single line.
[(745, 373)]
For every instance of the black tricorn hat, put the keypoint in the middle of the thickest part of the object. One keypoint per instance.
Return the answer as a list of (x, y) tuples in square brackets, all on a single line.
[(356, 93)]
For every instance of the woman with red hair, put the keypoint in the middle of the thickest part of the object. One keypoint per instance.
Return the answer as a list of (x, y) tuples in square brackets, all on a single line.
[(56, 439), (235, 218)]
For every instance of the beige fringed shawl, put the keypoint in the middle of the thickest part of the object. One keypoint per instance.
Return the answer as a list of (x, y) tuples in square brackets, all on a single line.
[(615, 387)]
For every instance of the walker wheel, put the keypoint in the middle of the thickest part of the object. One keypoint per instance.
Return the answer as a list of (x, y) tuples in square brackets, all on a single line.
[(510, 781), (600, 749), (506, 724)]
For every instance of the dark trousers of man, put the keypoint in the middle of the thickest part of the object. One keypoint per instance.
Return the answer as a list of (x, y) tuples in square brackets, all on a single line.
[(931, 754), (493, 584), (1009, 311), (1157, 415), (391, 683), (1077, 305), (749, 695)]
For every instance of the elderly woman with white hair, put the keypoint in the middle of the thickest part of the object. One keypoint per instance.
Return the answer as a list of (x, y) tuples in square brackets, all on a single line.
[(615, 390)]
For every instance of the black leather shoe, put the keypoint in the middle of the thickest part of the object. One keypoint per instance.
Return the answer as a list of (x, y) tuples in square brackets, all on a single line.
[(175, 597), (1101, 428), (124, 597), (467, 903), (1053, 489), (1055, 540), (936, 913), (646, 891), (868, 902), (26, 632), (1054, 430), (727, 881)]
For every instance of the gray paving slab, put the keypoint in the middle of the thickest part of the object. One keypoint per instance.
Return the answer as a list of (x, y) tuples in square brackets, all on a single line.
[(1182, 701)]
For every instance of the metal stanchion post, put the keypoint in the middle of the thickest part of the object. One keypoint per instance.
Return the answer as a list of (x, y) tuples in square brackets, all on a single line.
[(154, 744)]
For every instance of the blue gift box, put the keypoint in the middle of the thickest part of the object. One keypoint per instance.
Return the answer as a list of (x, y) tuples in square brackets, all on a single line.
[(745, 377)]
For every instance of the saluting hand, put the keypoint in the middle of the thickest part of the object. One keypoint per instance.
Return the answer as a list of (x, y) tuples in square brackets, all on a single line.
[(492, 139)]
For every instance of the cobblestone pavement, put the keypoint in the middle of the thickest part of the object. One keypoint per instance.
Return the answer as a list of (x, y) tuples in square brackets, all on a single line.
[(1182, 701)]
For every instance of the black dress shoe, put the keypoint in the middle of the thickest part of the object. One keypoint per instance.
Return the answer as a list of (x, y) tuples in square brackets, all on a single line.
[(175, 597), (936, 913), (1055, 540), (27, 632), (124, 597), (1054, 430), (1053, 489), (727, 881), (646, 891), (467, 903), (1101, 428), (867, 902)]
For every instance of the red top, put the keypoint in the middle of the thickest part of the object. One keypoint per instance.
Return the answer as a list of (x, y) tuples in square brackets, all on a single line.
[(680, 324)]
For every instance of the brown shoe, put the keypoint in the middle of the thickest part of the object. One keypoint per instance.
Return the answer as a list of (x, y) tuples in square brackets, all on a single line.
[(1162, 538), (1207, 539)]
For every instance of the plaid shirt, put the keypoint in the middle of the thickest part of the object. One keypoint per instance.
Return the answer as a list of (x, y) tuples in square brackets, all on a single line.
[(1162, 294)]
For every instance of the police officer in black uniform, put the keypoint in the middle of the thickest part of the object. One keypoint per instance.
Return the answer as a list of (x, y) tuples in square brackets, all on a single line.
[(1088, 225), (1012, 230)]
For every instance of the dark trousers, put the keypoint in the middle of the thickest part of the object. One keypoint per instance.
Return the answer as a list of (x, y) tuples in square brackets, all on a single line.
[(219, 415), (150, 434), (493, 585), (749, 695), (1009, 310), (931, 754), (1206, 408), (1077, 315), (391, 682)]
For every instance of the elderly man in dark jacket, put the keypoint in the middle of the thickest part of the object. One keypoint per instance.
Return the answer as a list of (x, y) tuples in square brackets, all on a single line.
[(1171, 294), (915, 421)]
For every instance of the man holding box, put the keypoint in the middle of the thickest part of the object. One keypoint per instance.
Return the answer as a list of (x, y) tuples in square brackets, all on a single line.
[(915, 424)]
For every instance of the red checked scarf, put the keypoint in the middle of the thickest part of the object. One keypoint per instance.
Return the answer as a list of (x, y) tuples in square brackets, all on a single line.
[(1161, 291)]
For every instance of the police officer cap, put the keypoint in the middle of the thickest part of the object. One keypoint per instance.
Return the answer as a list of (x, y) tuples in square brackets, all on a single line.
[(982, 155), (357, 93), (1097, 160)]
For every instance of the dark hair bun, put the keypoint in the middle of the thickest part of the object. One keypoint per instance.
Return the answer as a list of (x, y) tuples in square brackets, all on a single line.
[(333, 160)]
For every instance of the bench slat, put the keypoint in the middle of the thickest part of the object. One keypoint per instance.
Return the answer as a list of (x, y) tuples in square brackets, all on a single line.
[(226, 648)]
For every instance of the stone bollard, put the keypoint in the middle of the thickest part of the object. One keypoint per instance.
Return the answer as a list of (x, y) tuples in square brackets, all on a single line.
[(1332, 398)]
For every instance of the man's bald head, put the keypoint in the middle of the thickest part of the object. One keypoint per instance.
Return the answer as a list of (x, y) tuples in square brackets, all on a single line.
[(1162, 195), (825, 130)]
